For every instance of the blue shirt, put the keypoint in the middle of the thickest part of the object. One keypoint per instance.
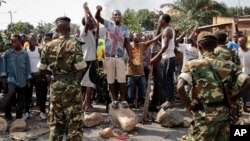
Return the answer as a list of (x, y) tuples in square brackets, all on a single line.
[(16, 67), (232, 45)]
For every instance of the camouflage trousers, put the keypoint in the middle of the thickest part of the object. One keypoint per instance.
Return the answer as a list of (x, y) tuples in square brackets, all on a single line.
[(235, 112), (202, 130), (66, 113)]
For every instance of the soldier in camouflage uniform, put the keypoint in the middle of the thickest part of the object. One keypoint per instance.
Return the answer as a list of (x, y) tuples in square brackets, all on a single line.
[(205, 101), (223, 52), (64, 56)]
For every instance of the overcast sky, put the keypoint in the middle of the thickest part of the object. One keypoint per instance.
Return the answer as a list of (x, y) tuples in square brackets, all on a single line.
[(34, 11)]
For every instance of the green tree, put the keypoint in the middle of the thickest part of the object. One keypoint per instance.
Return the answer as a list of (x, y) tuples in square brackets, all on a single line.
[(20, 27), (43, 28), (247, 10), (147, 18), (135, 20), (129, 18), (196, 11), (231, 12)]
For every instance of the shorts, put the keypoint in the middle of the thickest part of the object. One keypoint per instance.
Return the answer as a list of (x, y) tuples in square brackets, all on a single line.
[(115, 69), (89, 78)]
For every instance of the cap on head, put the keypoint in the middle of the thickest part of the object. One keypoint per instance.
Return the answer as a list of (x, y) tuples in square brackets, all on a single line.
[(205, 35), (62, 19)]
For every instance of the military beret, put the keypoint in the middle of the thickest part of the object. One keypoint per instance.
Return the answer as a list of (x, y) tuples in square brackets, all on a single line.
[(62, 19), (204, 35)]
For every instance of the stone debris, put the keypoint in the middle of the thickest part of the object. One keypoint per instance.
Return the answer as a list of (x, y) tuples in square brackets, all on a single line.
[(92, 119), (124, 118), (32, 134), (3, 124), (186, 122), (19, 125), (106, 133), (170, 117)]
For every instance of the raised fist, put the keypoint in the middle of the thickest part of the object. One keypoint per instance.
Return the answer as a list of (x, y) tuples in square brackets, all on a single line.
[(85, 6), (99, 8)]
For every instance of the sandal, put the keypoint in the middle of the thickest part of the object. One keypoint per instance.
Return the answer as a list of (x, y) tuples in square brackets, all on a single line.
[(124, 104), (114, 104)]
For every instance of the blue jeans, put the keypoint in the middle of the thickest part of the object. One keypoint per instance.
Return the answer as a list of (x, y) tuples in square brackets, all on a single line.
[(168, 69), (133, 82)]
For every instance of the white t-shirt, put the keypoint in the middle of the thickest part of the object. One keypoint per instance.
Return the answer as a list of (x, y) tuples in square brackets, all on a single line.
[(89, 48), (245, 60), (34, 58), (189, 52)]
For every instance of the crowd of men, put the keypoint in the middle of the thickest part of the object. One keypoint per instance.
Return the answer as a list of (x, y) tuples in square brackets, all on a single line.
[(212, 75)]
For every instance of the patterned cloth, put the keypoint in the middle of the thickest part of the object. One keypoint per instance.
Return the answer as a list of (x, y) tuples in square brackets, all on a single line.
[(206, 91), (115, 37), (64, 57), (223, 52)]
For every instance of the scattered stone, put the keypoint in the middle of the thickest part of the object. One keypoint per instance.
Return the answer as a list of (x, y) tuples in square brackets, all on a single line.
[(19, 125), (92, 119), (32, 134), (106, 133), (124, 118), (186, 122), (169, 118), (37, 132), (18, 136), (3, 124), (184, 137)]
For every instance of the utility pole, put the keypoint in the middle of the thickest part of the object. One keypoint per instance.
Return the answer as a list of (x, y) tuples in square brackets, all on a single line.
[(11, 19)]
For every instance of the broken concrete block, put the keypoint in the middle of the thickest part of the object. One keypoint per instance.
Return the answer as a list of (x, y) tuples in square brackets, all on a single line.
[(170, 117), (19, 125), (3, 124), (92, 119), (124, 118), (106, 133)]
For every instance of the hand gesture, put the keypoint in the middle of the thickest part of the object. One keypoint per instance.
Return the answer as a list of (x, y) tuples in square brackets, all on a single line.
[(85, 6), (99, 8)]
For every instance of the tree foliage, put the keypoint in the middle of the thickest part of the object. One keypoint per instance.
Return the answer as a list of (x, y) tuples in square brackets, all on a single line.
[(43, 28), (20, 27), (237, 11), (129, 18), (138, 20), (196, 12)]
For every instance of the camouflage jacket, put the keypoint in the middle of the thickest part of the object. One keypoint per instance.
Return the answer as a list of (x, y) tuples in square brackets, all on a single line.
[(205, 88), (223, 52), (63, 56)]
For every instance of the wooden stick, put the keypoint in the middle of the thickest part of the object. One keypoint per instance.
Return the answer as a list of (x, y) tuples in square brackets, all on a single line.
[(147, 96)]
